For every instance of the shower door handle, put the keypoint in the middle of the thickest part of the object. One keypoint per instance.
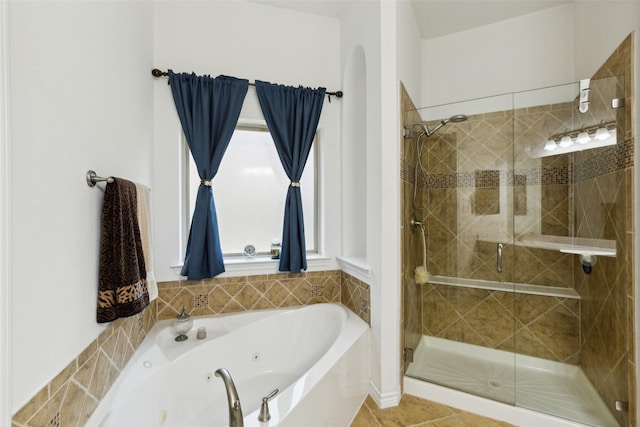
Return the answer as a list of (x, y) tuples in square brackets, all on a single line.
[(499, 262)]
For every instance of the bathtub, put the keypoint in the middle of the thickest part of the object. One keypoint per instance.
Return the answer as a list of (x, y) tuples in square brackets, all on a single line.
[(317, 356)]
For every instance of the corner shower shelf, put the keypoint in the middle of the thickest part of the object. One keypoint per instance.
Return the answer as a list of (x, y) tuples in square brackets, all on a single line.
[(569, 245)]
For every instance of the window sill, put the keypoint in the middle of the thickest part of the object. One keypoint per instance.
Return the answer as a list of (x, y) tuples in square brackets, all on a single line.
[(355, 266), (261, 264)]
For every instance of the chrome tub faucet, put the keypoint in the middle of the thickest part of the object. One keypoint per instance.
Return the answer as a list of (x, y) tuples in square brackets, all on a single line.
[(235, 411)]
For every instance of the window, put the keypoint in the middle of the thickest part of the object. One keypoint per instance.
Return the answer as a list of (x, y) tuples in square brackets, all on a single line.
[(250, 189)]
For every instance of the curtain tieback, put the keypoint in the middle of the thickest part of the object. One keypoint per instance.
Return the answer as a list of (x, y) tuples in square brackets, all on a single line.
[(295, 183), (206, 182)]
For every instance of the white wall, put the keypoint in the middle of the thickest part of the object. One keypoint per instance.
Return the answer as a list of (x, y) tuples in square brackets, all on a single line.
[(371, 26), (81, 98), (528, 52), (5, 230), (409, 60), (354, 149), (251, 41)]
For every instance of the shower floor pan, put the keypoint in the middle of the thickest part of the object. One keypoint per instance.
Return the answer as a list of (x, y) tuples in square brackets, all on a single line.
[(554, 388)]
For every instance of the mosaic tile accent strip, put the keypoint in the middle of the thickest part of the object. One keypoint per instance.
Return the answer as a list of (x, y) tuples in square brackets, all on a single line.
[(72, 396), (55, 421), (534, 176), (603, 161)]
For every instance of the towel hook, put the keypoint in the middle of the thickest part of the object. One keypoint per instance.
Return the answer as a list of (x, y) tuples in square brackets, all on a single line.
[(93, 178)]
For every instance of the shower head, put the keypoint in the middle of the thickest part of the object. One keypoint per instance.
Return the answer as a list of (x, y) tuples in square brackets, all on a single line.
[(454, 119)]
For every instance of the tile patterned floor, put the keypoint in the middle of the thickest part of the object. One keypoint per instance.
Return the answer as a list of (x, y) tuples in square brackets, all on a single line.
[(415, 412)]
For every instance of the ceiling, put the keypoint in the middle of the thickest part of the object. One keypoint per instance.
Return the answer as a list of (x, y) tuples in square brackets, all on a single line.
[(435, 18)]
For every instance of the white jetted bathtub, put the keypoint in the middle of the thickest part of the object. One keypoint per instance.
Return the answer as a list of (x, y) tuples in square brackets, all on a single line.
[(317, 356)]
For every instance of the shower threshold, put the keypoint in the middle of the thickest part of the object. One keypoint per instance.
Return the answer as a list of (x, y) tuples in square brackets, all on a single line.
[(540, 385)]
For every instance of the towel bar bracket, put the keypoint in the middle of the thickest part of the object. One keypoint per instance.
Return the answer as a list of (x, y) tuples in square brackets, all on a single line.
[(93, 179)]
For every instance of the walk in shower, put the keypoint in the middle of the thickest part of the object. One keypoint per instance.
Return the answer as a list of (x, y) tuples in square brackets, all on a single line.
[(522, 201)]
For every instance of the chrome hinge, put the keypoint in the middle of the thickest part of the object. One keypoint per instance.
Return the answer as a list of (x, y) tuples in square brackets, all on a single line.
[(407, 354), (617, 103), (622, 406)]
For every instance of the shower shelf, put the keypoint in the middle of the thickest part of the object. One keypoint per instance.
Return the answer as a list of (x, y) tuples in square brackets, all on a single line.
[(569, 245)]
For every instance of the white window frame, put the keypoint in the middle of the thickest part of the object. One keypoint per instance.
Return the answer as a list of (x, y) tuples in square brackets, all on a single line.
[(262, 263)]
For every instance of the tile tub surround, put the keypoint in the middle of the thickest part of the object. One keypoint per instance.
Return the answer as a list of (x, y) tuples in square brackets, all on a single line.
[(244, 293), (72, 396)]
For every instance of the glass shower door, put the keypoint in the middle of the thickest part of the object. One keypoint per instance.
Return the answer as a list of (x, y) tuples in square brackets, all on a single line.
[(569, 213), (463, 196)]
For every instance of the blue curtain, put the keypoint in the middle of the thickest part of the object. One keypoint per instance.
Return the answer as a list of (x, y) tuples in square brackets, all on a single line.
[(292, 115), (208, 109)]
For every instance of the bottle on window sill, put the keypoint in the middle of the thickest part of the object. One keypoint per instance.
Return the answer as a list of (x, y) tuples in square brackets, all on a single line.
[(275, 249)]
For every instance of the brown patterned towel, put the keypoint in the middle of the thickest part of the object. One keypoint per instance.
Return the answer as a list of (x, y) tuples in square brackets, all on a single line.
[(122, 284)]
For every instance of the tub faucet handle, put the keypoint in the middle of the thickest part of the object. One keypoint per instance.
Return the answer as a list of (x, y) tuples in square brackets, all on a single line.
[(264, 409)]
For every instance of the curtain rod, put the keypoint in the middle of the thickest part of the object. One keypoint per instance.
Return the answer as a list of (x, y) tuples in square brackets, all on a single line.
[(158, 73)]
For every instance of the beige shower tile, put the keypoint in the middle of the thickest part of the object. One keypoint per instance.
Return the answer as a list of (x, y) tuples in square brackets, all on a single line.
[(331, 290), (85, 373), (492, 321), (248, 296), (218, 299), (527, 343), (559, 331), (291, 301), (63, 377), (89, 405), (302, 291), (463, 299), (461, 331), (35, 403), (49, 412), (233, 307), (220, 281), (530, 307), (437, 313), (234, 288), (264, 304), (72, 405), (168, 285)]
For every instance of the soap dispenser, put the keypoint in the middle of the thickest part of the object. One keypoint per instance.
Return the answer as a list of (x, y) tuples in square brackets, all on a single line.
[(182, 324)]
